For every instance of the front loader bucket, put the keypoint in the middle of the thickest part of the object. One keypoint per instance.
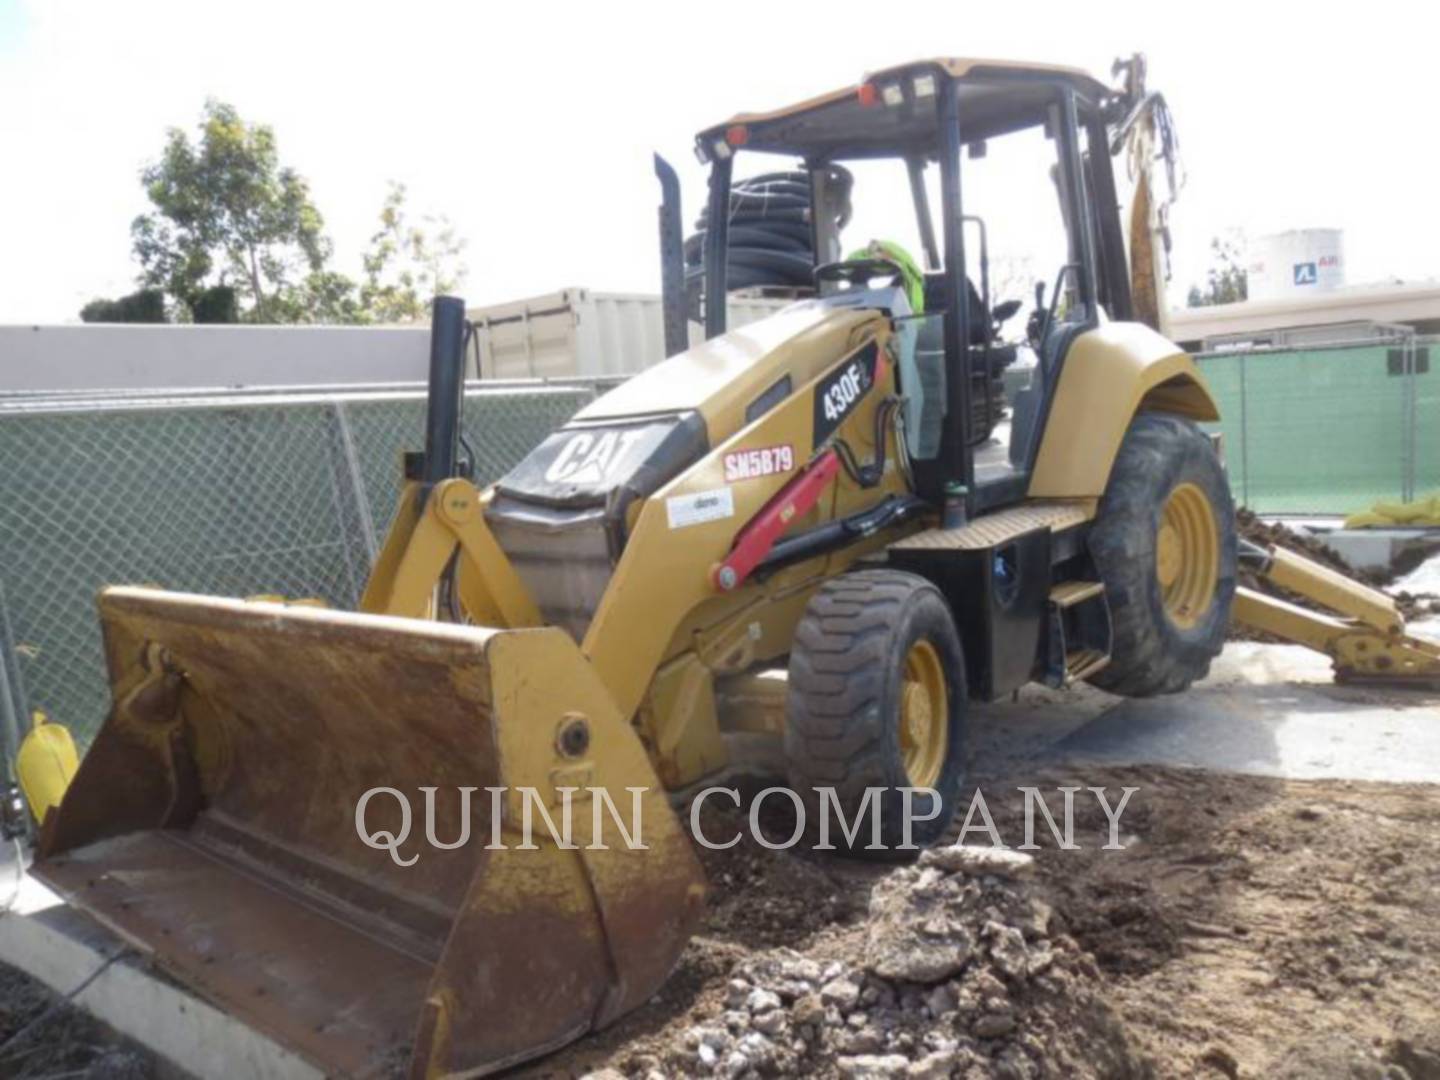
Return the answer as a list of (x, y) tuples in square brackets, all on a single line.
[(214, 823)]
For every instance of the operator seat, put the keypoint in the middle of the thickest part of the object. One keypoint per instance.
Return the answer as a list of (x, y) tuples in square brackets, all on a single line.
[(935, 303)]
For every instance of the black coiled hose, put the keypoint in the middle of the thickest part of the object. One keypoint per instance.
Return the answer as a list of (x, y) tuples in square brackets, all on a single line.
[(770, 239)]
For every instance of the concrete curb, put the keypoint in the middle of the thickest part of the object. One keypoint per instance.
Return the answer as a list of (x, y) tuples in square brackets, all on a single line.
[(63, 948)]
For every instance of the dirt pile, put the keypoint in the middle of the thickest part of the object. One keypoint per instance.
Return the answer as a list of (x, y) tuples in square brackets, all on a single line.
[(1249, 928), (955, 967), (1267, 533)]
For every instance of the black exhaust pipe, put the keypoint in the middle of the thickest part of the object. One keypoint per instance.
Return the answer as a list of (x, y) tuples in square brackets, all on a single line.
[(447, 384), (672, 260)]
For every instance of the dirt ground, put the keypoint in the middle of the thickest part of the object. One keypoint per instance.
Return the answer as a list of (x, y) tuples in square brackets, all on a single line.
[(1249, 928), (43, 1038)]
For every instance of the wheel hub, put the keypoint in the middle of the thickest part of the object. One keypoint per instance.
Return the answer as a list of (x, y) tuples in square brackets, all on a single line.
[(924, 715), (1187, 555)]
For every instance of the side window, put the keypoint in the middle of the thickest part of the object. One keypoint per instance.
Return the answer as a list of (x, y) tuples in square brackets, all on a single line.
[(920, 345), (1017, 245)]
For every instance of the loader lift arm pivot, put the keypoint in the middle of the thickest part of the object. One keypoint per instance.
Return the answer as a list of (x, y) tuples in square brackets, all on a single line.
[(426, 535), (439, 537)]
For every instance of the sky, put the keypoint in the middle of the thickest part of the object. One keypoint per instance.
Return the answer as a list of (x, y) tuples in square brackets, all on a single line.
[(531, 125)]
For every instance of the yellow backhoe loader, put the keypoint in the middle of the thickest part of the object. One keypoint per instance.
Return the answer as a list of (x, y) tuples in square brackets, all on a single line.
[(824, 527)]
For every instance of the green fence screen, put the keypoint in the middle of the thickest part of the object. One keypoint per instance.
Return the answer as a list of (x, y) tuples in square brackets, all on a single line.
[(1328, 430)]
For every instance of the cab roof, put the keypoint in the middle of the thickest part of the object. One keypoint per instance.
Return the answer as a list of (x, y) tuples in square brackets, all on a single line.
[(889, 113)]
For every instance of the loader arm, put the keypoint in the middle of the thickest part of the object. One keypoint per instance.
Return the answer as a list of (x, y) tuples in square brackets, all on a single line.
[(429, 529), (1366, 638)]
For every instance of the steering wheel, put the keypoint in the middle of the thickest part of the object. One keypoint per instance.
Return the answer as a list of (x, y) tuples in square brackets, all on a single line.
[(858, 272)]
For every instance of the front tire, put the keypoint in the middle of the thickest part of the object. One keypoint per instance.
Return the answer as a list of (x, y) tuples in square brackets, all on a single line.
[(877, 699), (1164, 544)]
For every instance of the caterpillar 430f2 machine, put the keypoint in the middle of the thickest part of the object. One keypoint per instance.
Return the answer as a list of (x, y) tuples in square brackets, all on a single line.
[(811, 528)]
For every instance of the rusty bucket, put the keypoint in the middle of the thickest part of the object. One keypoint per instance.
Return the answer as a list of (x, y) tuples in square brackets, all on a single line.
[(214, 823)]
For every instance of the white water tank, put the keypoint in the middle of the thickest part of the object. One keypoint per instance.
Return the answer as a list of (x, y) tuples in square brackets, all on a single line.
[(1297, 263)]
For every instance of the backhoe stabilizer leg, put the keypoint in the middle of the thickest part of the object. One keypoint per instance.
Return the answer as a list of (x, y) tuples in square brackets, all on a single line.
[(1360, 653), (1328, 588)]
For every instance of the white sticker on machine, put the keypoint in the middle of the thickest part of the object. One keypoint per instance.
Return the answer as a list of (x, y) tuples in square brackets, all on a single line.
[(703, 506)]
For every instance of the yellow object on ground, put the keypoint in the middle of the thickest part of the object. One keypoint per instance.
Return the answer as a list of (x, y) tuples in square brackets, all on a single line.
[(1422, 513), (45, 765)]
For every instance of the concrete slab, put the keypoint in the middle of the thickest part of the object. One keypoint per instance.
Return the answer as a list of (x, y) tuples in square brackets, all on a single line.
[(1425, 578), (1265, 710), (1376, 549), (74, 955)]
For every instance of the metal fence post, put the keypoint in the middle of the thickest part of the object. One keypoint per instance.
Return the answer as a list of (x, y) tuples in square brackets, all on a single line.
[(12, 690), (356, 480), (1244, 437), (1410, 439)]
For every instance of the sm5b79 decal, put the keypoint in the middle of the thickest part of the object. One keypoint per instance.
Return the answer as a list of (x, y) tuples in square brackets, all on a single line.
[(764, 461)]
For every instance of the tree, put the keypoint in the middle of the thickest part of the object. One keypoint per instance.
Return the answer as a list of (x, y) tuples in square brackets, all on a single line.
[(408, 265), (217, 304), (144, 306), (1226, 282), (235, 237), (227, 214)]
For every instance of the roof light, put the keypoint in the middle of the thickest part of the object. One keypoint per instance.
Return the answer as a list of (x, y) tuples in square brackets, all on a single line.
[(737, 135), (721, 149), (924, 85), (892, 94), (865, 94)]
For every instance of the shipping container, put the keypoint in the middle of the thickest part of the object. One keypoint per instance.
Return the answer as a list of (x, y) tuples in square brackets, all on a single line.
[(583, 332)]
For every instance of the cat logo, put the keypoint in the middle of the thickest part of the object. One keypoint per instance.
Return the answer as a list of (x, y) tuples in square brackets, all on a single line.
[(591, 459)]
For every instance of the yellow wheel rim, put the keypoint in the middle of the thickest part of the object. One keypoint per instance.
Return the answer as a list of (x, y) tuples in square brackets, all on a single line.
[(924, 715), (1187, 555)]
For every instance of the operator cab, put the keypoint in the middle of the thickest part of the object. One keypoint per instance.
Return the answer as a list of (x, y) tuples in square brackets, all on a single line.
[(976, 391)]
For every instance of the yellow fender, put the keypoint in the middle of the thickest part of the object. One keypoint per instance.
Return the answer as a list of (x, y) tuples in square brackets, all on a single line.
[(1111, 373), (45, 765)]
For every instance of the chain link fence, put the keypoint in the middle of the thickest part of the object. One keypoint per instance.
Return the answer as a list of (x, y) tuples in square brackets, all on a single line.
[(291, 491), (1329, 429), (227, 493)]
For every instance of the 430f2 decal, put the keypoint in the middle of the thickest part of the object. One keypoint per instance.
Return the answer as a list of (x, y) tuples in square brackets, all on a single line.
[(838, 394)]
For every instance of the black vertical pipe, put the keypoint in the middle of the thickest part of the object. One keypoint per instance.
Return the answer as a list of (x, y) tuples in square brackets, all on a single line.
[(672, 261), (1114, 267), (955, 444), (1082, 245), (717, 244), (447, 383), (916, 168)]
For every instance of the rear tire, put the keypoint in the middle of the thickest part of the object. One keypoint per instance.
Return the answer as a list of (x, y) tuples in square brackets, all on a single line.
[(1164, 544), (877, 700)]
